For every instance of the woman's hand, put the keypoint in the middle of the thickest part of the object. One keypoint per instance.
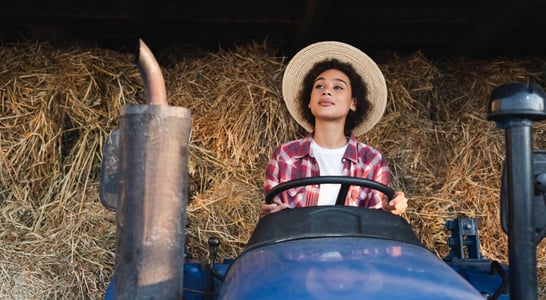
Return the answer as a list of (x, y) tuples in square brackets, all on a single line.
[(397, 205), (274, 207)]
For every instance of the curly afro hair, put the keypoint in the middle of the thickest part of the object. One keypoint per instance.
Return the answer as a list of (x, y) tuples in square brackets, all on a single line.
[(358, 88)]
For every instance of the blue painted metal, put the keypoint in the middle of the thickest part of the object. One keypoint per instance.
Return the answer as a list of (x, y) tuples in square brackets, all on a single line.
[(343, 268), (199, 283), (483, 276), (489, 277)]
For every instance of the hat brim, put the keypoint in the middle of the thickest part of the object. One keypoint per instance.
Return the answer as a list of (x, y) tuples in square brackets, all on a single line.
[(305, 59)]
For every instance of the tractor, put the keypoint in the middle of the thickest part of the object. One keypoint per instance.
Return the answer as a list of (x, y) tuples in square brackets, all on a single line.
[(322, 252)]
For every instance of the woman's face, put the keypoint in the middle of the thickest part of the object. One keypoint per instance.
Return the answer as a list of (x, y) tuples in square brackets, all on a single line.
[(331, 96)]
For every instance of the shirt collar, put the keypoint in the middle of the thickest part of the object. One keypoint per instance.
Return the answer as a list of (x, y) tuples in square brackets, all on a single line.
[(350, 153), (352, 149)]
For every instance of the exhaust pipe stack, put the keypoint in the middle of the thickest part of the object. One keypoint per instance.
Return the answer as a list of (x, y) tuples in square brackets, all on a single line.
[(515, 107), (145, 179)]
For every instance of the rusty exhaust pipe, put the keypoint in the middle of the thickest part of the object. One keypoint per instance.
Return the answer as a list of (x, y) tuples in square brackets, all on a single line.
[(154, 84), (151, 192)]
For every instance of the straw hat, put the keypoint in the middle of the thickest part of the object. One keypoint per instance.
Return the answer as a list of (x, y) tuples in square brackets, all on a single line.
[(306, 58)]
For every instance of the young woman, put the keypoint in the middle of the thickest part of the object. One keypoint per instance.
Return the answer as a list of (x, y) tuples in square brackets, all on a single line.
[(336, 92)]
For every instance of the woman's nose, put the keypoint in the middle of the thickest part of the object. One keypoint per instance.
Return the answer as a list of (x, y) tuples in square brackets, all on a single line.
[(326, 92)]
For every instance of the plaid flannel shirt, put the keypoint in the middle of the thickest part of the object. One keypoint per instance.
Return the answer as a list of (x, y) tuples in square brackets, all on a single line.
[(294, 160)]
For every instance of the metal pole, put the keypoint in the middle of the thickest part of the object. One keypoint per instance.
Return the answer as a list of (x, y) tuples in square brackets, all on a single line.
[(514, 107), (521, 221)]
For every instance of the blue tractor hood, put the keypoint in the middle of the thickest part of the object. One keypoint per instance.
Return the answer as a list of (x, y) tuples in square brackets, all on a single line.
[(340, 253)]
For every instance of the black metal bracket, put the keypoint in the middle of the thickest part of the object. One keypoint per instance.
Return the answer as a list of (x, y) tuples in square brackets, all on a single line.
[(464, 241)]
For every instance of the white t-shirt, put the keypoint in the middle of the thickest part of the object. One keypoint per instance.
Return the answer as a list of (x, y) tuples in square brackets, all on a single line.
[(330, 164)]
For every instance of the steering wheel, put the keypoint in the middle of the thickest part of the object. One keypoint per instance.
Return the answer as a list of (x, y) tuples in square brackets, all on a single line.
[(345, 182)]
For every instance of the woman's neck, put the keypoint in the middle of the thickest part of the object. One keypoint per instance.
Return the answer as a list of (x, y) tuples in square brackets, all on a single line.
[(330, 137)]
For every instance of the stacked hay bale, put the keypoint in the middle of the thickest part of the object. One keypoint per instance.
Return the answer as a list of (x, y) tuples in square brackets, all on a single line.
[(57, 105)]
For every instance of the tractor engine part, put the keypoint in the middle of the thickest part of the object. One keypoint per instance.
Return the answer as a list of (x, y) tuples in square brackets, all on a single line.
[(153, 159), (514, 107)]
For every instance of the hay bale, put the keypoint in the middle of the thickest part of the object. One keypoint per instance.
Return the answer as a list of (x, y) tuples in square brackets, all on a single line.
[(58, 105)]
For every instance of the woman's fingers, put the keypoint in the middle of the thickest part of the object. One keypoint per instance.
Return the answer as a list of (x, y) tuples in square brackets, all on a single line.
[(397, 205), (277, 206)]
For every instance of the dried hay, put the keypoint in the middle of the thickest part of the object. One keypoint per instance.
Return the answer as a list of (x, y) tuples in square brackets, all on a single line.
[(58, 105), (57, 108)]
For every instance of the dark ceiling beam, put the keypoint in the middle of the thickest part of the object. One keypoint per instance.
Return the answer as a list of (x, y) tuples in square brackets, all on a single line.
[(311, 23), (498, 24), (470, 27)]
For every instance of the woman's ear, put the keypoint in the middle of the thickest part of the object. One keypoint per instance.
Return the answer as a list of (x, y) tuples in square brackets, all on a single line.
[(353, 104)]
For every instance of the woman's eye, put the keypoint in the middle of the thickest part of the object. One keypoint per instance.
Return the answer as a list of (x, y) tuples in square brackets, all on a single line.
[(319, 86), (338, 87)]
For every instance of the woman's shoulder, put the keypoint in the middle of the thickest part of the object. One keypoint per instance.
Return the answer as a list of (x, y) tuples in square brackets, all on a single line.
[(295, 147), (362, 148)]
